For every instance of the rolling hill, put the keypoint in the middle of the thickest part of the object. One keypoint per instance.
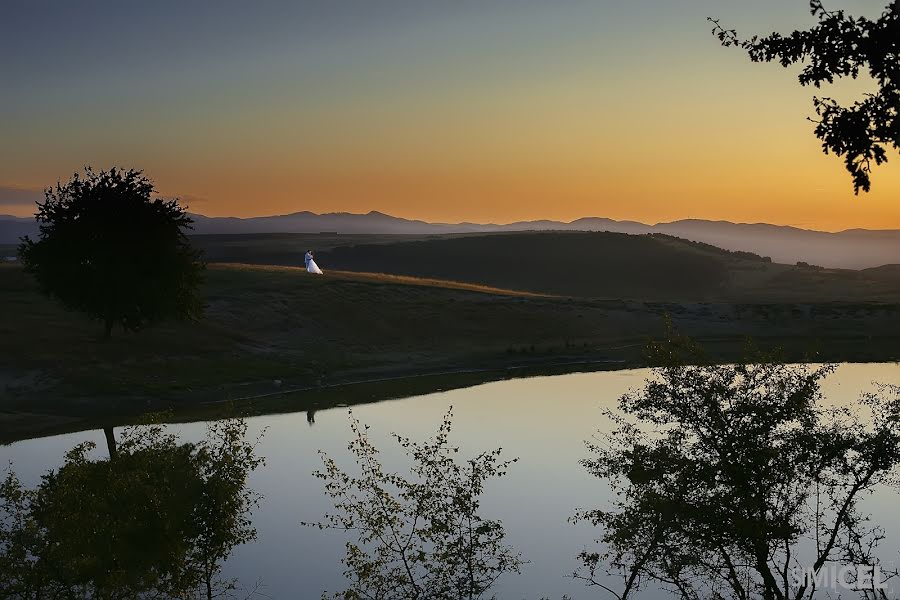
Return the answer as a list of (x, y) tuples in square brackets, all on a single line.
[(851, 249), (571, 264), (613, 265), (598, 264)]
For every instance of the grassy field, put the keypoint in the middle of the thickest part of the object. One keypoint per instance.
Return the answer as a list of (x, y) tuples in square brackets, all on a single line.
[(268, 329)]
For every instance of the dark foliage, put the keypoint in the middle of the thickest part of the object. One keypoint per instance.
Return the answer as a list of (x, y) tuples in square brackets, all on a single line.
[(843, 46), (108, 249), (738, 254), (420, 537), (737, 481), (155, 521)]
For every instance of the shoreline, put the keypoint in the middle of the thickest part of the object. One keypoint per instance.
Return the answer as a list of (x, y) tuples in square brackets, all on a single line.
[(391, 384)]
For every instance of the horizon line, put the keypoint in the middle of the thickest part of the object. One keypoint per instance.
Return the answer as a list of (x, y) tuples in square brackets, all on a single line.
[(510, 223), (536, 220)]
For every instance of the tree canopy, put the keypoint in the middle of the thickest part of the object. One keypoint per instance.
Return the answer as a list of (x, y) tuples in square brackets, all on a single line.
[(108, 248), (843, 46)]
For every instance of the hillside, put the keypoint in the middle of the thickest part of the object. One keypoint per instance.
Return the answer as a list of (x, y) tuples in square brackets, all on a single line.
[(573, 263), (851, 249), (270, 329), (613, 265), (609, 265)]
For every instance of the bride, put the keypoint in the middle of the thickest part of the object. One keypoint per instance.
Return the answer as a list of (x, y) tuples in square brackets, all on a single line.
[(311, 266)]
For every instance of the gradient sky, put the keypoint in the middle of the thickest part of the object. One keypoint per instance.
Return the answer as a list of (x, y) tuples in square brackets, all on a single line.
[(465, 110)]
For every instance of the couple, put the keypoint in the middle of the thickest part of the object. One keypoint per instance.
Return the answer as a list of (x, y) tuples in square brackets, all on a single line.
[(311, 266)]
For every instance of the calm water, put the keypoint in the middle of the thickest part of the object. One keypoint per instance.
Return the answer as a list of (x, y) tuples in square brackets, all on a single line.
[(543, 421)]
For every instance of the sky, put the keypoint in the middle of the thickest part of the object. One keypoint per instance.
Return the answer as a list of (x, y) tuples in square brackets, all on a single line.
[(486, 111)]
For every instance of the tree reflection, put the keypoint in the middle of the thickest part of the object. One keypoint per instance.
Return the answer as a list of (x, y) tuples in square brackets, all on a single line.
[(736, 481), (422, 536), (156, 520)]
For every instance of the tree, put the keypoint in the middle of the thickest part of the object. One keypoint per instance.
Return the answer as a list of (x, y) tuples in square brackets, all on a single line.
[(155, 521), (421, 537), (734, 481), (108, 249), (843, 46)]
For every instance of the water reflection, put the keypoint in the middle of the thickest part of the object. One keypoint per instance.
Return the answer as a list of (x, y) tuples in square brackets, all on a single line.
[(421, 536), (155, 520), (737, 481), (544, 421)]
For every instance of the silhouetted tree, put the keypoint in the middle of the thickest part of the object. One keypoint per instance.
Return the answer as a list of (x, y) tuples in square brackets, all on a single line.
[(109, 249), (734, 481), (843, 46), (157, 521), (421, 537)]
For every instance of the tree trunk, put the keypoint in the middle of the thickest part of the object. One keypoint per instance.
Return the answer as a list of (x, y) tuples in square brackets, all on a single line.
[(107, 327), (110, 441)]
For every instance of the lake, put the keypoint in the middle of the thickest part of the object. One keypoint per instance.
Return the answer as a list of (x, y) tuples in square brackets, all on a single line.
[(543, 420)]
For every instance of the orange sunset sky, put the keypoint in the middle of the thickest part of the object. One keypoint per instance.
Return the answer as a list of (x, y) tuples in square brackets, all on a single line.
[(469, 111)]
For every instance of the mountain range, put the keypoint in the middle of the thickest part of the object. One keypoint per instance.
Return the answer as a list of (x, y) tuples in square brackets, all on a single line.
[(850, 249)]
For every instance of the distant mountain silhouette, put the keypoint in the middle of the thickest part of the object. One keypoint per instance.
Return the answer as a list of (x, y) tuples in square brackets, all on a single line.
[(13, 228), (851, 249)]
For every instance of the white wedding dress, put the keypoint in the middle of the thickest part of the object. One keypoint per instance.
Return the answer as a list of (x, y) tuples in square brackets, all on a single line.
[(311, 266)]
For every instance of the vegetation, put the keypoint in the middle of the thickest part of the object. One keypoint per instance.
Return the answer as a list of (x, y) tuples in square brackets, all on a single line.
[(806, 265), (642, 266), (604, 265), (842, 46), (422, 537), (736, 481), (156, 520), (109, 249), (738, 254), (272, 329)]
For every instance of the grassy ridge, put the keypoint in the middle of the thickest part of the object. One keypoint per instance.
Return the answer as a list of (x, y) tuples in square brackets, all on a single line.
[(268, 322), (608, 265), (615, 265)]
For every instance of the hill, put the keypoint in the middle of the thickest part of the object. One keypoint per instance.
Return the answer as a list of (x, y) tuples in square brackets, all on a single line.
[(613, 265), (271, 329), (851, 249), (610, 265)]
